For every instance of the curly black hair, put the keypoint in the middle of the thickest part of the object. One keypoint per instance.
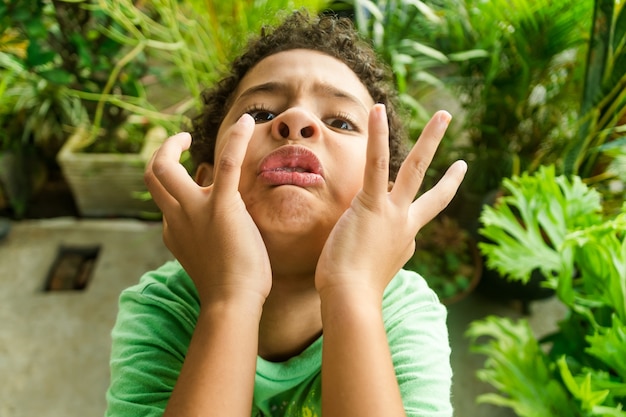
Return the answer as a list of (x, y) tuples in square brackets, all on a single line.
[(329, 34)]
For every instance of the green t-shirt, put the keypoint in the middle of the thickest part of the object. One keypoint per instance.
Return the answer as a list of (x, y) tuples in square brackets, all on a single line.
[(156, 320)]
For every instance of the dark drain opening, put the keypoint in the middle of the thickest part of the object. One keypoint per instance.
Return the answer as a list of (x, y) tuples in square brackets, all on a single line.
[(72, 268)]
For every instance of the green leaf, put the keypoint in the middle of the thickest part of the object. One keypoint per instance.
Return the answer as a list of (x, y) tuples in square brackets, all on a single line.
[(35, 28), (468, 55), (519, 369), (609, 346), (57, 76), (600, 253), (619, 35), (11, 63), (608, 412), (425, 10), (36, 56), (526, 229), (418, 48), (83, 49), (582, 390)]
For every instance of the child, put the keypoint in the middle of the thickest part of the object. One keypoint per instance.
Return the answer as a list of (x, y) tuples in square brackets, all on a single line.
[(287, 297)]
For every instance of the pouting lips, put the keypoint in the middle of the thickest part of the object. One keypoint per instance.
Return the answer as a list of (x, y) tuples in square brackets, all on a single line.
[(291, 165)]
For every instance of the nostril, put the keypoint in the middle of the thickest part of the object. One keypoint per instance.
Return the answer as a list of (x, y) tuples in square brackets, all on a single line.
[(283, 129), (306, 132)]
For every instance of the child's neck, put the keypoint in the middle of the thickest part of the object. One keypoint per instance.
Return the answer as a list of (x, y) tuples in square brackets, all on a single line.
[(291, 318)]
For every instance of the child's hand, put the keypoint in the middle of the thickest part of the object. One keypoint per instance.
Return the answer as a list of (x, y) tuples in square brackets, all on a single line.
[(208, 229), (375, 237)]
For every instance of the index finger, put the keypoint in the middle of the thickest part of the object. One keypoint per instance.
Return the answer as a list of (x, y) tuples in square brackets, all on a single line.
[(228, 163), (168, 170)]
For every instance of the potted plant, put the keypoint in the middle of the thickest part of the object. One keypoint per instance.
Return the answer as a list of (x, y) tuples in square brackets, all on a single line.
[(601, 130), (578, 370), (447, 257), (82, 78), (534, 215), (595, 146), (519, 99), (22, 167), (108, 184), (34, 109), (533, 212), (104, 158)]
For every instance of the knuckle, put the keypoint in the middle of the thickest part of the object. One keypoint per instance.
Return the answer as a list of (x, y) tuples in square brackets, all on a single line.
[(442, 200), (416, 170), (157, 167), (419, 169), (148, 178), (227, 163), (380, 163)]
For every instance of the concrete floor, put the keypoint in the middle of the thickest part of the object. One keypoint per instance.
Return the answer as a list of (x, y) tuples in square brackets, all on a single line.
[(54, 346)]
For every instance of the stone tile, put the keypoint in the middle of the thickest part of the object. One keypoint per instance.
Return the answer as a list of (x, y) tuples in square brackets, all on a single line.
[(54, 347)]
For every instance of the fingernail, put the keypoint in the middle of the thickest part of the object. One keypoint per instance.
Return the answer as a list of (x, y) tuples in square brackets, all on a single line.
[(182, 134), (463, 166), (245, 119), (444, 117), (380, 110)]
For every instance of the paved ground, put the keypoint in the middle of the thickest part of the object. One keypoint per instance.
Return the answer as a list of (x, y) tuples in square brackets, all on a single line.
[(54, 346)]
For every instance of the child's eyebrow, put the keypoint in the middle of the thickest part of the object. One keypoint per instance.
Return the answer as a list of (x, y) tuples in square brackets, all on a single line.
[(321, 89)]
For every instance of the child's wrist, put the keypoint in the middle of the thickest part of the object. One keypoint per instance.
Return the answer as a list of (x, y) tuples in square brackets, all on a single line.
[(248, 302), (353, 297)]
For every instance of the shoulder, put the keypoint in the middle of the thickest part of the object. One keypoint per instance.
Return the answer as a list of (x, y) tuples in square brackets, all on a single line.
[(415, 321), (409, 292), (155, 321), (167, 289)]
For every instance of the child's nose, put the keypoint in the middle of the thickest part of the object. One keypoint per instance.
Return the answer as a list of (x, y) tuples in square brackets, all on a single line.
[(295, 123)]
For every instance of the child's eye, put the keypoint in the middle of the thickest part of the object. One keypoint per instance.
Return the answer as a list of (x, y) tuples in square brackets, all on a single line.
[(261, 116), (340, 123)]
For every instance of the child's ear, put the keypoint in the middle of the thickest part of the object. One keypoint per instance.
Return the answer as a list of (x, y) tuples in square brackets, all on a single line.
[(204, 174)]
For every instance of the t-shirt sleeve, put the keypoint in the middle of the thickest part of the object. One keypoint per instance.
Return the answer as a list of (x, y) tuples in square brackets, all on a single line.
[(420, 348), (149, 342)]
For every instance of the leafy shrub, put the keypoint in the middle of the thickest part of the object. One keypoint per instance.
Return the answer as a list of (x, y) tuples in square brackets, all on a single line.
[(554, 224)]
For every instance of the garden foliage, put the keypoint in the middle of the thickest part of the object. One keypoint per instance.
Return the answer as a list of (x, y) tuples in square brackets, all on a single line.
[(555, 224)]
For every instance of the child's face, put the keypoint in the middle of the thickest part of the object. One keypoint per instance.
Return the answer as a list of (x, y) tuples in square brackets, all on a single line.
[(315, 109)]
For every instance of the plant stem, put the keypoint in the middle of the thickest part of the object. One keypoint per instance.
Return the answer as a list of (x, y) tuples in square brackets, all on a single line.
[(109, 85)]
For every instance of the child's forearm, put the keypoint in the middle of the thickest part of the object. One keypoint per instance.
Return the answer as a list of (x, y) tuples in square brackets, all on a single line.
[(217, 378), (358, 377)]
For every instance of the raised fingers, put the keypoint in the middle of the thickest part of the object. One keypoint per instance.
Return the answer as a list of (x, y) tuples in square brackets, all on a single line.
[(376, 177), (414, 167), (166, 179), (228, 162), (432, 202)]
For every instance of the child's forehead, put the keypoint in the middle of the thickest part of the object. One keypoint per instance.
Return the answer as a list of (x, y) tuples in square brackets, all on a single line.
[(303, 69)]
